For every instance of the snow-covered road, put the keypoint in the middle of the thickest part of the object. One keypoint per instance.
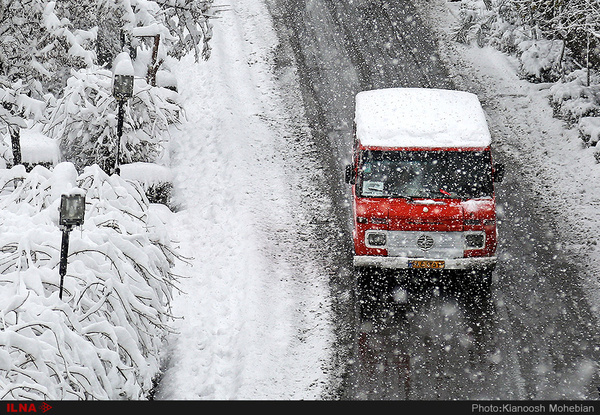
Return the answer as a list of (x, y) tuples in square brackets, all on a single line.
[(256, 304)]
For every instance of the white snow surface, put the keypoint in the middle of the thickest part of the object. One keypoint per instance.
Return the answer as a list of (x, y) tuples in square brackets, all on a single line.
[(255, 320), (420, 117), (38, 148), (249, 327), (147, 174), (123, 65)]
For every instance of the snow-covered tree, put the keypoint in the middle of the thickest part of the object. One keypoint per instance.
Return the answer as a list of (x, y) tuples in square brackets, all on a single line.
[(16, 106), (42, 39), (184, 25), (580, 25), (576, 22), (85, 120), (33, 46), (542, 33), (43, 43), (491, 22), (166, 28), (541, 15), (189, 23)]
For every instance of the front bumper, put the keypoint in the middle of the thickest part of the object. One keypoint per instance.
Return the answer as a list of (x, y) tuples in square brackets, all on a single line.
[(473, 263)]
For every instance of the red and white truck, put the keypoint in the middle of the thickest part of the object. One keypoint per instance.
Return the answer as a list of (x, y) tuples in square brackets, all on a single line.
[(423, 182)]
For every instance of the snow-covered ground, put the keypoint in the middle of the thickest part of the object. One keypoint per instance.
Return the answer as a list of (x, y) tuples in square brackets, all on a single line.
[(256, 321), (255, 304)]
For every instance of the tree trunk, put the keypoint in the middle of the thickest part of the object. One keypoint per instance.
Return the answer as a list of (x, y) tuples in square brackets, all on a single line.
[(155, 64), (15, 138)]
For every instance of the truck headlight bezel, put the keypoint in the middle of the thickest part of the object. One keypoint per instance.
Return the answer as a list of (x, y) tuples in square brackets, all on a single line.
[(474, 240), (376, 239)]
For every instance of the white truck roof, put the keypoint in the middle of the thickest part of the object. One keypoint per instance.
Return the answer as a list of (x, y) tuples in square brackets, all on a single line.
[(420, 117)]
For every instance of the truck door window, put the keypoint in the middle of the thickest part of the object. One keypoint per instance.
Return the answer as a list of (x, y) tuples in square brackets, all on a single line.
[(425, 174)]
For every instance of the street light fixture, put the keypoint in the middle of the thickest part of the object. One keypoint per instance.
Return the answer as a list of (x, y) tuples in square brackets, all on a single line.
[(72, 209), (72, 212), (122, 91), (122, 87)]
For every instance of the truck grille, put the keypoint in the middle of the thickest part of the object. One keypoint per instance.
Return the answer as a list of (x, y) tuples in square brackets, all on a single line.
[(417, 244)]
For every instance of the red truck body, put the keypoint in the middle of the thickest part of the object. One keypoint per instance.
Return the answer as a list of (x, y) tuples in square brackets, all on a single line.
[(423, 181)]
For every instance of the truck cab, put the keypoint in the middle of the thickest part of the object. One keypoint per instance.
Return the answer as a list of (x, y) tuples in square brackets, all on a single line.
[(422, 182)]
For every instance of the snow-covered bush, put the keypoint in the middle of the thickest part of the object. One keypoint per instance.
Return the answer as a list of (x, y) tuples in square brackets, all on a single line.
[(541, 60), (156, 180), (43, 43), (189, 21), (103, 340), (572, 99), (589, 130), (489, 23), (475, 21), (501, 25), (85, 121)]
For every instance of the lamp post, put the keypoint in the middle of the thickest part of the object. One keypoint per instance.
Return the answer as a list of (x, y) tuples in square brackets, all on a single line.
[(122, 91), (72, 211)]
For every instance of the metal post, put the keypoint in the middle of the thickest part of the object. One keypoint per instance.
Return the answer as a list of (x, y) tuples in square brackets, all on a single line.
[(64, 252), (117, 168)]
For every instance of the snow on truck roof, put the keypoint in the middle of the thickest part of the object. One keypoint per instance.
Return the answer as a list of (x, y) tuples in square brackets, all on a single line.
[(420, 117)]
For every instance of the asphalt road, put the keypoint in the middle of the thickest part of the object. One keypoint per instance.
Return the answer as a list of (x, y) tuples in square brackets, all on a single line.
[(534, 339)]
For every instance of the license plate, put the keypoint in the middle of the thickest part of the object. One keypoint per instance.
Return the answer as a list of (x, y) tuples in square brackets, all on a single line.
[(427, 264)]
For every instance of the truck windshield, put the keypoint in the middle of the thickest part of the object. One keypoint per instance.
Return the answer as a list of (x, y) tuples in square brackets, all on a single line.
[(425, 174)]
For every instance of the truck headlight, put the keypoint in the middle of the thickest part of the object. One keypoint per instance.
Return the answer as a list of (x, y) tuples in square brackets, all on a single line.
[(375, 239), (474, 240)]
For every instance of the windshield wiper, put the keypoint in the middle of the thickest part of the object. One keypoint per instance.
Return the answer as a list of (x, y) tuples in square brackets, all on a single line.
[(442, 191), (452, 195)]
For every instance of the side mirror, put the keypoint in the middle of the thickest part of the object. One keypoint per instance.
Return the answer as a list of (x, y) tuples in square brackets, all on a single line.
[(350, 179), (498, 174)]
